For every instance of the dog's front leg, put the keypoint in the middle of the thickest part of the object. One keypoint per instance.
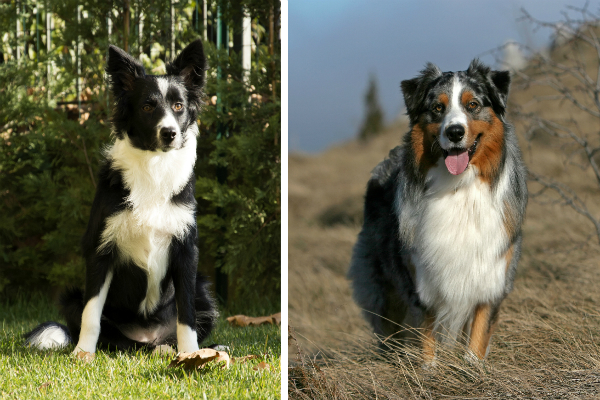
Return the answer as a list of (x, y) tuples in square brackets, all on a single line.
[(482, 327), (95, 297), (428, 340), (184, 264)]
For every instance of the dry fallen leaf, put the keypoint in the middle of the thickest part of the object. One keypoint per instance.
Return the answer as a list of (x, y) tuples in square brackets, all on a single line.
[(164, 350), (85, 356), (262, 365), (199, 358), (241, 360), (243, 320), (277, 318), (44, 385), (223, 357)]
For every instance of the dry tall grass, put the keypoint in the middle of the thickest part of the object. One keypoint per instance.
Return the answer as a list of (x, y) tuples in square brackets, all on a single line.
[(546, 344)]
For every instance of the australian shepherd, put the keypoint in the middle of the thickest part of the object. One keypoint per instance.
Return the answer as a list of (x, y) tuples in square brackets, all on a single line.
[(442, 219), (141, 284)]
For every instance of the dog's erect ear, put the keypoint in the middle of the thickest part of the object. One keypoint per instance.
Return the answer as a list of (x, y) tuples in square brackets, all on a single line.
[(478, 69), (190, 64), (122, 70), (497, 82), (501, 80), (415, 90)]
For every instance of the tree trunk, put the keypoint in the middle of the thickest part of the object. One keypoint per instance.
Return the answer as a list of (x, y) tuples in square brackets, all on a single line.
[(126, 16), (172, 55)]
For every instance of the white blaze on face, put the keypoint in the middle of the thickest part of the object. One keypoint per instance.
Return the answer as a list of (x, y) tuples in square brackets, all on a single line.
[(169, 120), (455, 116), (163, 85)]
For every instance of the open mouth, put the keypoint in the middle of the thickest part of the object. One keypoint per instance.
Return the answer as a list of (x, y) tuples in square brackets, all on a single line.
[(457, 160)]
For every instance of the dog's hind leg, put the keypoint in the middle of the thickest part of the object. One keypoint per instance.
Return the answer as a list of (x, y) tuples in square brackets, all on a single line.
[(206, 309), (71, 308)]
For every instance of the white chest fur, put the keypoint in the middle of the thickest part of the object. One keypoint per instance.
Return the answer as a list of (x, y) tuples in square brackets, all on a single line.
[(458, 245), (143, 232)]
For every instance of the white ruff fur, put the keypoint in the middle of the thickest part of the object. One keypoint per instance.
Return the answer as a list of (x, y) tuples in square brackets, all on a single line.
[(458, 242), (143, 232)]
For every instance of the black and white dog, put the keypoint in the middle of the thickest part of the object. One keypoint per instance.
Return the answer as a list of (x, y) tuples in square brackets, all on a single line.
[(141, 287), (442, 233)]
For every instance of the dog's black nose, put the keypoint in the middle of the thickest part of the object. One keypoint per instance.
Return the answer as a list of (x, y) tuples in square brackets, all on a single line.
[(455, 133), (168, 134)]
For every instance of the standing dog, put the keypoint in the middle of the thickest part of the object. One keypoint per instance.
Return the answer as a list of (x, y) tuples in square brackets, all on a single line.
[(141, 285), (442, 232)]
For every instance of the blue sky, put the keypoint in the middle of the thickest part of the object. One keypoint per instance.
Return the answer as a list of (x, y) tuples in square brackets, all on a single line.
[(334, 45)]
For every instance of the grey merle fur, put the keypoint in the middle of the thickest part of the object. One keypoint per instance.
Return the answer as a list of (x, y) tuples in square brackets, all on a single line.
[(383, 285)]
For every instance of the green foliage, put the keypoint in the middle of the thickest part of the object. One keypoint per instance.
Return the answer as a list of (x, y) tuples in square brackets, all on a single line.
[(373, 123), (50, 155), (46, 187), (242, 227)]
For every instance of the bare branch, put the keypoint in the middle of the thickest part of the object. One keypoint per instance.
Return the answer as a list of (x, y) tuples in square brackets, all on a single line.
[(568, 75), (569, 197)]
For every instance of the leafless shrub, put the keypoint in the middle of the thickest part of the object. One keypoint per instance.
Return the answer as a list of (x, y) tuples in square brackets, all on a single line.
[(561, 107)]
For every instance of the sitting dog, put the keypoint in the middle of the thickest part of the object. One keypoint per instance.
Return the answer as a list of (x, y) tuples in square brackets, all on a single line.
[(442, 219), (141, 285)]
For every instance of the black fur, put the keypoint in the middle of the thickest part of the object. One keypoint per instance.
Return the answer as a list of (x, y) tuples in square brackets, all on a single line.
[(132, 89), (184, 294)]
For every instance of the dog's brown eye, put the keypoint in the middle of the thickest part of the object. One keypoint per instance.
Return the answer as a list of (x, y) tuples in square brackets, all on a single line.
[(473, 105), (147, 108), (177, 106), (439, 107)]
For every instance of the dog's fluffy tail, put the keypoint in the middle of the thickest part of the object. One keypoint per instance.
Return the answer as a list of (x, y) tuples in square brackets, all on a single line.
[(49, 335), (52, 335)]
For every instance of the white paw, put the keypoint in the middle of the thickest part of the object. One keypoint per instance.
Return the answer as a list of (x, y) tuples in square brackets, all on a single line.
[(472, 359), (429, 365), (80, 350), (84, 347), (187, 348), (187, 341)]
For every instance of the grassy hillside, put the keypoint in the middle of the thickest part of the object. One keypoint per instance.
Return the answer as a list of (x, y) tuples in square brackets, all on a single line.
[(546, 344)]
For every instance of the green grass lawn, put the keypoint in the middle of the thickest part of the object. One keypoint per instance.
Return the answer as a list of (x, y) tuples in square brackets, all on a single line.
[(31, 374)]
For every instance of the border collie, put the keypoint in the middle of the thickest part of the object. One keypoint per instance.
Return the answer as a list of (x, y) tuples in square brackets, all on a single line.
[(442, 231), (141, 285)]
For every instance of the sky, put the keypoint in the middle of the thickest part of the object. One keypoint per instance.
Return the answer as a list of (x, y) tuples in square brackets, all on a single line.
[(335, 45)]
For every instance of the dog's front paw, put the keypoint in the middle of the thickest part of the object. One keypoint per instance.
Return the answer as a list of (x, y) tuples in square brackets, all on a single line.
[(188, 348), (85, 348), (471, 358), (84, 356), (429, 365), (187, 341)]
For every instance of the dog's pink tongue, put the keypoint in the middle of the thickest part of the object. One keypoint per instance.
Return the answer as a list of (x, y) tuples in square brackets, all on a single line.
[(457, 161)]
